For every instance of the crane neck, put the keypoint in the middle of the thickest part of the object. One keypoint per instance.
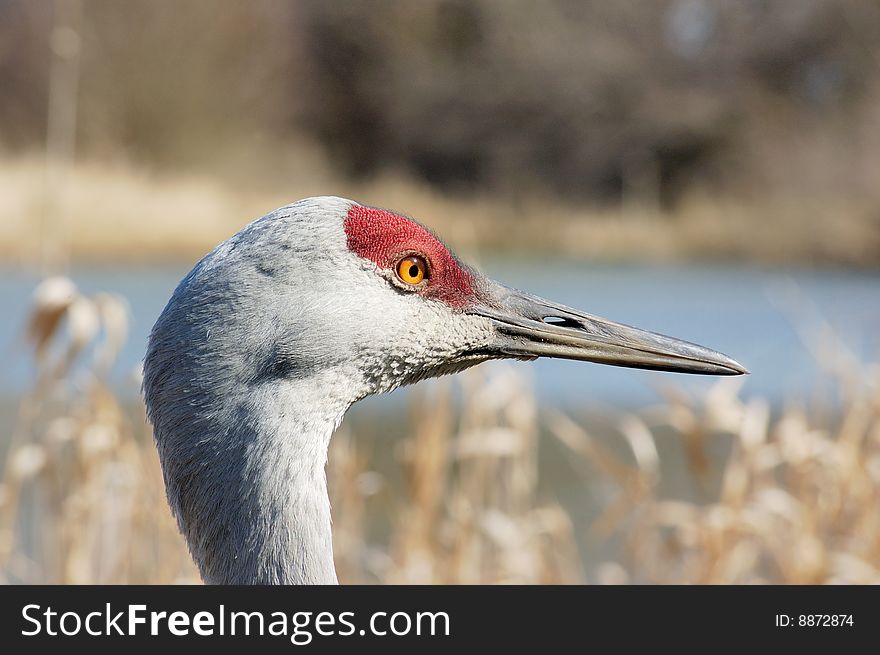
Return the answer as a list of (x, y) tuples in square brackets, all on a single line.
[(254, 506)]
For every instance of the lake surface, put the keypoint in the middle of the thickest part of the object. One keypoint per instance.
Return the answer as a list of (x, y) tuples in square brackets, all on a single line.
[(748, 313)]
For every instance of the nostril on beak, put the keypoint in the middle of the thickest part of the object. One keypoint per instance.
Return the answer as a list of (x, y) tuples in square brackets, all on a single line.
[(560, 321)]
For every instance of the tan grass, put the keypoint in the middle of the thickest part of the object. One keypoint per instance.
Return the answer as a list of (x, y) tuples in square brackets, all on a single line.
[(116, 211)]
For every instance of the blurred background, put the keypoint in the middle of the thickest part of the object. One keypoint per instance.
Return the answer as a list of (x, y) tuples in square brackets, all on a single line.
[(701, 168)]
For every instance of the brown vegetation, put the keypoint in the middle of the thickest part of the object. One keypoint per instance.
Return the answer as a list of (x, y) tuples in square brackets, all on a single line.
[(113, 212)]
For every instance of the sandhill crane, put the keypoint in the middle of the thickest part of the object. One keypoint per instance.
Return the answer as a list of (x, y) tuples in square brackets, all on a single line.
[(268, 341)]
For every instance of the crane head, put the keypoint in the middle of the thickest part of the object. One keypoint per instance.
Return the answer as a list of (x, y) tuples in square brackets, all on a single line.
[(367, 300), (377, 295)]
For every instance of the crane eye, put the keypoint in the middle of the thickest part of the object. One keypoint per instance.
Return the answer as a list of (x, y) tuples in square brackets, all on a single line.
[(412, 269)]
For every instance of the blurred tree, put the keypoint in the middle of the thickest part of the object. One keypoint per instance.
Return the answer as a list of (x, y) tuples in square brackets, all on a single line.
[(616, 102), (24, 71)]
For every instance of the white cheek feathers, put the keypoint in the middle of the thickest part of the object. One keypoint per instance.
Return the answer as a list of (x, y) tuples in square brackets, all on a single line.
[(429, 339)]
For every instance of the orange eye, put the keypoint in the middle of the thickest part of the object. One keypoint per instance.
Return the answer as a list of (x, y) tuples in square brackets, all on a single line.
[(412, 269)]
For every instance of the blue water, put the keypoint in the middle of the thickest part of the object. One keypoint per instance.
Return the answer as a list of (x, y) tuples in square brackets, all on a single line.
[(748, 313)]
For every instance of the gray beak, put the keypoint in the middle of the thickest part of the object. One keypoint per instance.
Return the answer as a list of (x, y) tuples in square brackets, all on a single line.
[(529, 327)]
